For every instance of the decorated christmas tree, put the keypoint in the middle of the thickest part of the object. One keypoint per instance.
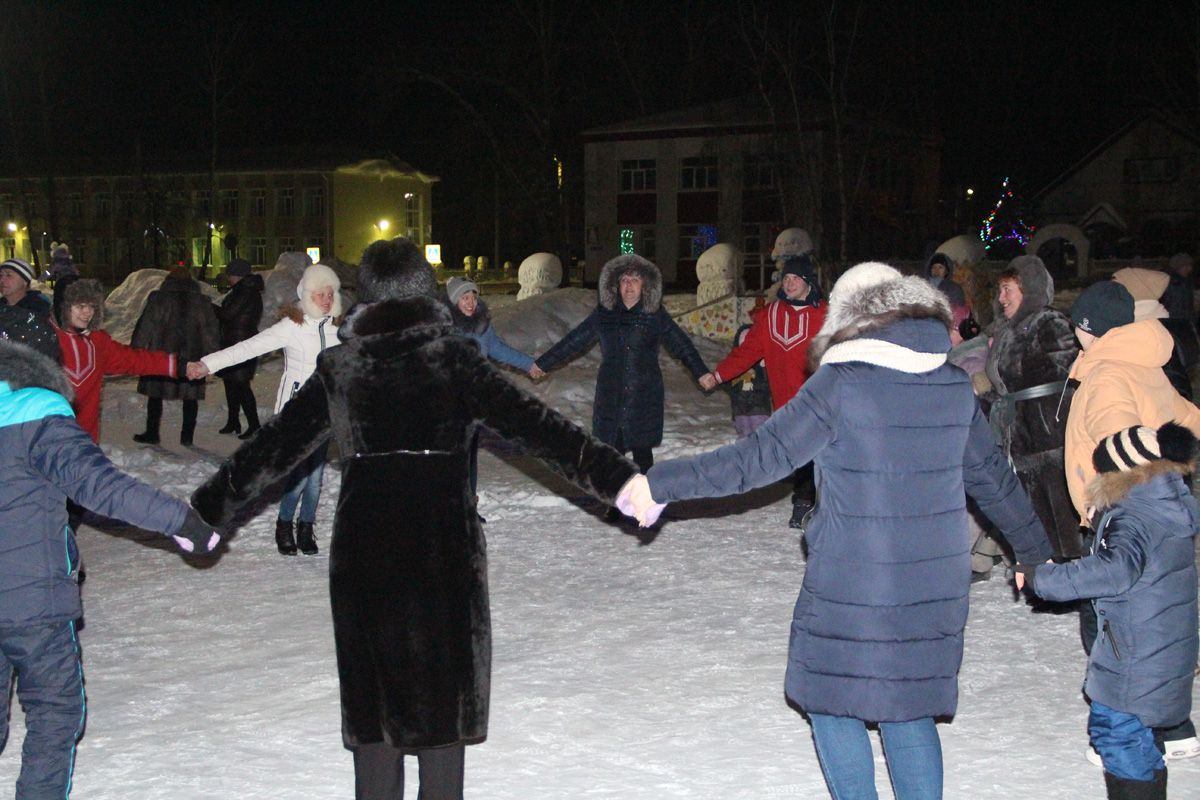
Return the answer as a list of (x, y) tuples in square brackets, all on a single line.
[(1004, 231)]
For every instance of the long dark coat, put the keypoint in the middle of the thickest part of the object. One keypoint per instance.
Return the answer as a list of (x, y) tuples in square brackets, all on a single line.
[(628, 406), (239, 316), (1037, 346), (178, 318), (877, 631), (408, 564)]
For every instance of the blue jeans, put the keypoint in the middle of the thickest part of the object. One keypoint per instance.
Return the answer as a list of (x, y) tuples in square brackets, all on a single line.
[(304, 488), (1125, 745), (912, 749)]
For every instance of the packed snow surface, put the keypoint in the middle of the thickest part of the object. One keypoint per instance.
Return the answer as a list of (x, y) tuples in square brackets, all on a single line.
[(628, 665)]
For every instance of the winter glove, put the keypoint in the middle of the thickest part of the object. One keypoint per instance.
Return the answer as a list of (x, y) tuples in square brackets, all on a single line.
[(196, 535), (1024, 574), (635, 500)]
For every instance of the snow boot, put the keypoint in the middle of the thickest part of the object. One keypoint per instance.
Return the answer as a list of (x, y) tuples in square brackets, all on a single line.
[(1125, 789), (232, 426), (285, 540), (153, 420), (148, 437), (306, 538)]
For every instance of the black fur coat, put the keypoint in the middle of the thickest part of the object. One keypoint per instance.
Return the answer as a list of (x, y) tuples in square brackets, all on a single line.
[(178, 318), (239, 315), (408, 565)]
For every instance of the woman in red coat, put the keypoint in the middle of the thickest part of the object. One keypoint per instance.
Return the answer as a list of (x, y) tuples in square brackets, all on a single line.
[(88, 353)]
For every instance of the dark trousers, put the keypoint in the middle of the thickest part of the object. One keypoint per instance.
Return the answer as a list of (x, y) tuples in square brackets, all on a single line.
[(804, 488), (379, 772), (642, 456), (45, 659), (239, 396), (154, 410)]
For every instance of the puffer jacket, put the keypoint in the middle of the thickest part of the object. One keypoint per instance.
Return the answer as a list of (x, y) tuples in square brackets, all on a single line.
[(1142, 576), (1121, 383), (479, 327), (877, 631), (46, 459)]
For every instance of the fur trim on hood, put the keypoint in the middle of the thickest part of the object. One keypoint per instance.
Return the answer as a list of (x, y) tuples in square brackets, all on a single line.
[(79, 292), (1037, 290), (1109, 488), (22, 367), (397, 314), (610, 277), (477, 323), (857, 310), (318, 276)]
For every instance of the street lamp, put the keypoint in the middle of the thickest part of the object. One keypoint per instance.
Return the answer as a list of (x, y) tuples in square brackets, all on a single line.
[(383, 225), (12, 227)]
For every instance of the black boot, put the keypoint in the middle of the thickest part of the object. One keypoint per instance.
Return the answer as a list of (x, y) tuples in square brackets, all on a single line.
[(801, 513), (232, 426), (306, 538), (250, 431), (153, 419), (284, 539), (1125, 789), (191, 410)]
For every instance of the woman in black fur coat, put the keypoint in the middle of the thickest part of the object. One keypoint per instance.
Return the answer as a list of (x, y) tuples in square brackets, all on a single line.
[(239, 315), (402, 397)]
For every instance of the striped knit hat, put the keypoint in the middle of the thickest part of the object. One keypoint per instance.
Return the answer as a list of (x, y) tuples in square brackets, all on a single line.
[(19, 266), (1140, 445)]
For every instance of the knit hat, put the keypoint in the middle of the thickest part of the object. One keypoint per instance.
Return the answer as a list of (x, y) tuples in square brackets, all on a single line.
[(19, 266), (1102, 307), (393, 269), (457, 287), (1139, 445), (238, 268)]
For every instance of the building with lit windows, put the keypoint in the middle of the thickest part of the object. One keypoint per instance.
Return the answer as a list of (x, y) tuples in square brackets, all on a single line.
[(258, 204)]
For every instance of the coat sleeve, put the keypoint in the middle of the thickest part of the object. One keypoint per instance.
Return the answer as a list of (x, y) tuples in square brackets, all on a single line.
[(747, 354), (1187, 415), (994, 487), (279, 447), (577, 342), (273, 338), (120, 359), (67, 457), (789, 439), (1113, 569), (680, 345), (520, 417), (1117, 410), (503, 352)]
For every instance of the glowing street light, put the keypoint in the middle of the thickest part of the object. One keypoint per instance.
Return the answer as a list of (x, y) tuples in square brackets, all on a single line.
[(12, 227), (383, 225), (970, 192)]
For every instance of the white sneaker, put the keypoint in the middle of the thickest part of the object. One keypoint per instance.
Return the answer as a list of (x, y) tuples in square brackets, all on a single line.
[(1093, 757), (1181, 748)]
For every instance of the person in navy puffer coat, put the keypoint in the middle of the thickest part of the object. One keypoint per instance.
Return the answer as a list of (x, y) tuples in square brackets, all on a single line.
[(46, 458), (877, 632), (1141, 577)]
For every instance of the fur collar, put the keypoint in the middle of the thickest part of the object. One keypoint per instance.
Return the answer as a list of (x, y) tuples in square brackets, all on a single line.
[(875, 307), (1109, 488), (22, 367), (297, 315), (477, 323), (391, 316), (610, 277)]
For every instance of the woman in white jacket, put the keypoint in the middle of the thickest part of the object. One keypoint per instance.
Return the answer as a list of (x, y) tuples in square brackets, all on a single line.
[(302, 333)]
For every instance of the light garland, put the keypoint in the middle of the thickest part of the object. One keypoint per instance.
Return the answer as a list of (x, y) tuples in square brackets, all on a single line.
[(1019, 230), (626, 238)]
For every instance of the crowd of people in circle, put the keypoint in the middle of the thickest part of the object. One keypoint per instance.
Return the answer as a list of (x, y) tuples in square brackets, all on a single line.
[(930, 436)]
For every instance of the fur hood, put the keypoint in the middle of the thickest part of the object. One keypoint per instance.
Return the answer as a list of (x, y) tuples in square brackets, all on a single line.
[(477, 323), (1109, 488), (652, 285), (78, 292), (395, 315), (1037, 290), (318, 276), (874, 307), (22, 367)]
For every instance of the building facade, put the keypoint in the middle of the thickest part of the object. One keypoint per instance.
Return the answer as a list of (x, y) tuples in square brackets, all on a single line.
[(327, 205)]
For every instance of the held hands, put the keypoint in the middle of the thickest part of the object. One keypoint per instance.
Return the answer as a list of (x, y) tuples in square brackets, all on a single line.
[(196, 370), (536, 372), (196, 535), (708, 381), (635, 500)]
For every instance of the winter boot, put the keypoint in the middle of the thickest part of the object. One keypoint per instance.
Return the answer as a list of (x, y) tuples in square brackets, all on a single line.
[(191, 410), (284, 538), (250, 431), (232, 426), (306, 538), (153, 419), (801, 512), (1125, 789)]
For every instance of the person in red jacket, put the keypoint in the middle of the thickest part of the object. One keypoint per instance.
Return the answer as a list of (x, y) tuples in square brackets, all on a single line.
[(88, 353), (779, 337)]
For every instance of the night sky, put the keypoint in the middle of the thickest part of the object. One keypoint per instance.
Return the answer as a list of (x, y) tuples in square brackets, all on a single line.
[(472, 90)]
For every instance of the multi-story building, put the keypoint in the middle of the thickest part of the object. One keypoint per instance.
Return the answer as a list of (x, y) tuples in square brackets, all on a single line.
[(257, 205)]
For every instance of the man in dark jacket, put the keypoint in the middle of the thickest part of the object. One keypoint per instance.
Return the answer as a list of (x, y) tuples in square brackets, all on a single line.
[(630, 324), (16, 276), (403, 397), (29, 328), (178, 318), (239, 316), (46, 459)]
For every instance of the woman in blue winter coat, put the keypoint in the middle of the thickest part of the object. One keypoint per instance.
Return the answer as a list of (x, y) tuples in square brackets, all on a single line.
[(877, 632), (1141, 577), (471, 318)]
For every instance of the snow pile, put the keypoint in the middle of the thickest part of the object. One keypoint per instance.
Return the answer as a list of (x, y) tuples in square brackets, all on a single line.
[(124, 305)]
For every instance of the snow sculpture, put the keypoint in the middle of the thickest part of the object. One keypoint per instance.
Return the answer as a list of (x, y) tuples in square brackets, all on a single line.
[(538, 273), (964, 249), (717, 269), (791, 242)]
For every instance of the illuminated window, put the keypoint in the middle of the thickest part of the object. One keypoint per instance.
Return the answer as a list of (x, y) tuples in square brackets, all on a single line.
[(10, 248), (412, 215), (639, 175)]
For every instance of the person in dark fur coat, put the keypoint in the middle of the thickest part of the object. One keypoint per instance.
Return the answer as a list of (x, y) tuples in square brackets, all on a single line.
[(178, 318), (239, 314), (403, 397), (630, 324), (29, 328), (877, 632), (1032, 348)]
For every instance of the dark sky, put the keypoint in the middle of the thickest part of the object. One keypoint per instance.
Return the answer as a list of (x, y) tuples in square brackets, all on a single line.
[(1018, 88)]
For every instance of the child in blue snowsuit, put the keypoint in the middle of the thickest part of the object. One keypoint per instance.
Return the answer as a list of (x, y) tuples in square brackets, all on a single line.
[(46, 459), (1141, 577)]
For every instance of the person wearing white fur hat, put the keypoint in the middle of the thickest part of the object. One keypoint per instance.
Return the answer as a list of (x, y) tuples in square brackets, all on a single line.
[(877, 632), (303, 331)]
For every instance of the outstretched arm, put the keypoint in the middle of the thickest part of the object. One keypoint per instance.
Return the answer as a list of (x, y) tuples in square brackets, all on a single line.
[(1109, 571), (574, 344), (681, 347)]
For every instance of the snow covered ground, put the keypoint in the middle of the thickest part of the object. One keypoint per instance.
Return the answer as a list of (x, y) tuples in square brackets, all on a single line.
[(627, 666)]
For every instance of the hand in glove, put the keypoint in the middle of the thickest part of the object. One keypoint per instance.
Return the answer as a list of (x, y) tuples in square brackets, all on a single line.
[(196, 535), (1023, 576), (635, 500)]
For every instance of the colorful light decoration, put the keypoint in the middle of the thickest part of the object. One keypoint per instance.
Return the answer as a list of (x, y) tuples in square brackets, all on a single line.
[(626, 241), (1018, 230)]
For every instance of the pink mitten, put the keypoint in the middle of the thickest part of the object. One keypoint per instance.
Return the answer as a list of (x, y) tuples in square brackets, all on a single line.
[(635, 500)]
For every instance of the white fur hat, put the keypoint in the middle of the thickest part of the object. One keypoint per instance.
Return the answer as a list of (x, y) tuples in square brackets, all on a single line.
[(318, 276), (860, 276)]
